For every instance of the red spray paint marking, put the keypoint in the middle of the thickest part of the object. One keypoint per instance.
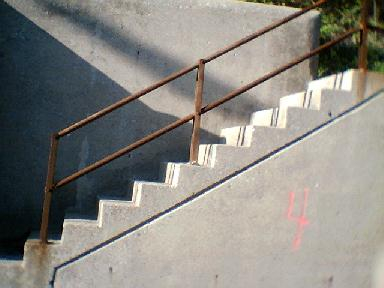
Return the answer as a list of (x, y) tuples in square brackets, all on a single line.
[(301, 220)]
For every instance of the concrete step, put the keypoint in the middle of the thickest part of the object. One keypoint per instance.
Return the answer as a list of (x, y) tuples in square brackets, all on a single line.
[(169, 173), (257, 199), (74, 228), (284, 117), (115, 215), (334, 102), (237, 136), (300, 120), (339, 81), (350, 81), (150, 198), (265, 117), (309, 99), (293, 100), (270, 129), (206, 154)]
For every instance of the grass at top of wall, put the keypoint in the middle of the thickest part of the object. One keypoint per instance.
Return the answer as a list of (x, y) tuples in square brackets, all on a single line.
[(337, 16)]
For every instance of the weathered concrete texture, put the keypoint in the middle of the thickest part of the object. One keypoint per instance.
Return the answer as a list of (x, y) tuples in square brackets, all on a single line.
[(297, 114), (240, 234), (152, 198), (63, 60), (350, 80)]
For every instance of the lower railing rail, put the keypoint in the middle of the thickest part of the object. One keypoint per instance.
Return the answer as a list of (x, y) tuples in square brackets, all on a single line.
[(199, 110)]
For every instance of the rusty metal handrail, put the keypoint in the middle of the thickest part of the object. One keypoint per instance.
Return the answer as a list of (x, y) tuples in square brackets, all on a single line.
[(196, 116), (203, 110), (263, 31), (125, 101), (375, 29), (279, 70), (185, 70)]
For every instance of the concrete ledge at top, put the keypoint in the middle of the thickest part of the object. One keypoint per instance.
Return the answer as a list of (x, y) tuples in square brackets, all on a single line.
[(237, 5), (143, 6)]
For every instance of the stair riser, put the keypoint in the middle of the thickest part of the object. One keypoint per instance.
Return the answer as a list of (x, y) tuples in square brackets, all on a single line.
[(297, 114)]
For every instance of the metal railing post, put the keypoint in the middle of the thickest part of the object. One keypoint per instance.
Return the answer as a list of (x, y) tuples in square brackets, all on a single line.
[(195, 116), (195, 139), (48, 189), (363, 49)]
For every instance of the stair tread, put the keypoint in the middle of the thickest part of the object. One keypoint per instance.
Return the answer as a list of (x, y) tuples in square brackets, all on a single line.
[(208, 158)]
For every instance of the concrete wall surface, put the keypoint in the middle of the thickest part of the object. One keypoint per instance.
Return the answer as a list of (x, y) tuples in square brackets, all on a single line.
[(64, 60), (309, 216)]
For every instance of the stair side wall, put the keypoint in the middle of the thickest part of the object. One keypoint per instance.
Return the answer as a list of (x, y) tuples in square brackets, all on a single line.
[(63, 60), (252, 230)]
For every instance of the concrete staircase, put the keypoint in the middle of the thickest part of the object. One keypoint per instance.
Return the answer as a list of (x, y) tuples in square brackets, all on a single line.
[(310, 215), (268, 131)]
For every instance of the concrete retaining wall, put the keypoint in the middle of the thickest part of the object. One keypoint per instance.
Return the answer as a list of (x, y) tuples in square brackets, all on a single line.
[(309, 216), (62, 61)]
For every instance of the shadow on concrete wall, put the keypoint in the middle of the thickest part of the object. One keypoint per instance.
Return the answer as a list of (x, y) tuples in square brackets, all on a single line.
[(156, 61), (44, 85)]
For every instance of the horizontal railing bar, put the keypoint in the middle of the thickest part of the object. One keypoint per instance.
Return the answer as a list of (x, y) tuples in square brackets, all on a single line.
[(272, 74), (375, 28), (205, 109), (262, 31), (125, 101), (184, 71), (124, 150)]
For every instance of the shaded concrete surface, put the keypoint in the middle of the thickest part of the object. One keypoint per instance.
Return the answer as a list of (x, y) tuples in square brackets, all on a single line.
[(309, 216), (149, 199), (299, 114), (44, 87), (138, 42), (62, 61)]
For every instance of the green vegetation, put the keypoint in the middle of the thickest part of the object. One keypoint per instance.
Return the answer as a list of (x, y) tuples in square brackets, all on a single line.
[(336, 17)]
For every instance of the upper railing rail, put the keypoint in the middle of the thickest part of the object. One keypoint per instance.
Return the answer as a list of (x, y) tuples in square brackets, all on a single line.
[(125, 101), (186, 70), (198, 111), (375, 29), (203, 110)]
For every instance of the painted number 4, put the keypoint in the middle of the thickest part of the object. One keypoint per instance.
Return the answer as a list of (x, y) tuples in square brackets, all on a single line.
[(301, 220)]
